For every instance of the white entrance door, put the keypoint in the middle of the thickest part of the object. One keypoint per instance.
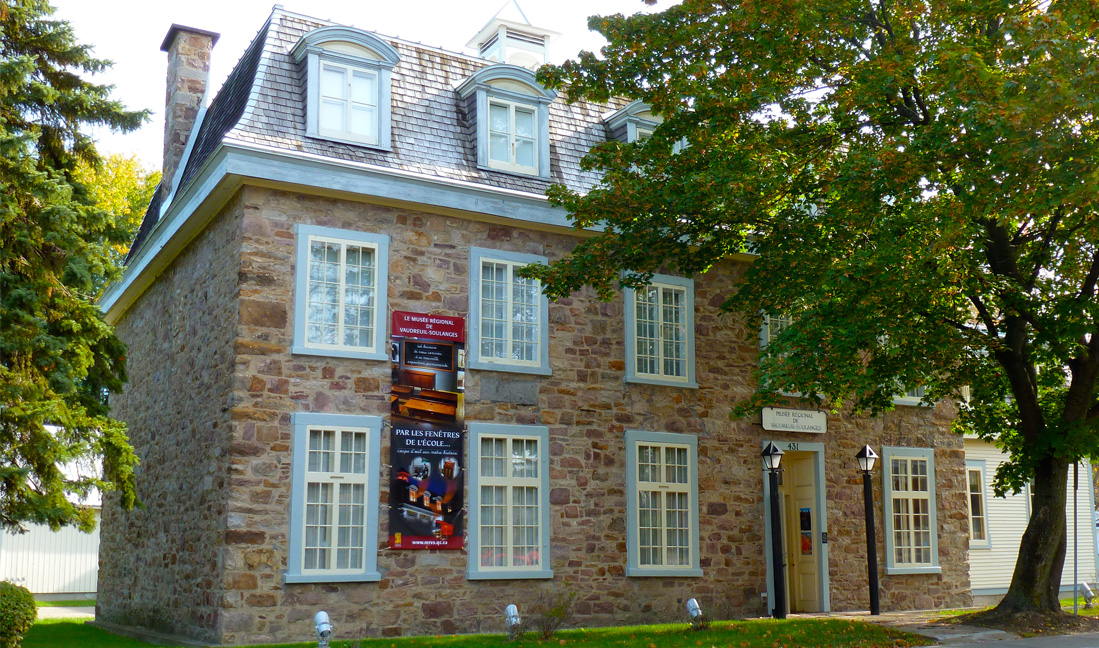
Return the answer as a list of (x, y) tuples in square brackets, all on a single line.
[(802, 532)]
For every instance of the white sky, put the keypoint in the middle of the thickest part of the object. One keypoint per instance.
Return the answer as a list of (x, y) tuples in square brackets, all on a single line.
[(129, 32)]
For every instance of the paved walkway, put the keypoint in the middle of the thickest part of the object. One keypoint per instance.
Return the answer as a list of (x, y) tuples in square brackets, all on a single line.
[(66, 612), (954, 635)]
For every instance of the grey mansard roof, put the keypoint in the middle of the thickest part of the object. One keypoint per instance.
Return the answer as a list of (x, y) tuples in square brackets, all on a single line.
[(262, 103)]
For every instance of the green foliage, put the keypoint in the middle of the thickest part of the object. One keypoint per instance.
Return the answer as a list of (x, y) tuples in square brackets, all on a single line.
[(17, 614), (915, 182), (551, 611), (58, 358)]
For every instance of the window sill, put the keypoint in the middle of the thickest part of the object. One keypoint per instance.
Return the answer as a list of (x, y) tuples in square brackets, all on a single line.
[(338, 353), (898, 571), (479, 365), (349, 140), (366, 577), (533, 173), (645, 380), (638, 572), (910, 402), (512, 574)]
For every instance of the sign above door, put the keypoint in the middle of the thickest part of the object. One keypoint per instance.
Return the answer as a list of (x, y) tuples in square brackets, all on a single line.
[(780, 419)]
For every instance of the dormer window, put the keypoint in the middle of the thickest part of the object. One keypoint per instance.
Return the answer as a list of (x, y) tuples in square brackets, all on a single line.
[(348, 103), (633, 123), (512, 136), (509, 110), (347, 73)]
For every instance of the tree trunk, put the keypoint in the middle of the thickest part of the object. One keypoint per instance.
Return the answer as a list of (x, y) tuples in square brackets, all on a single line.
[(1036, 583)]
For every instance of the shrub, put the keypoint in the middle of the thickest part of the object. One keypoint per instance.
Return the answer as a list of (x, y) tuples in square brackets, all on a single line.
[(551, 611), (17, 614)]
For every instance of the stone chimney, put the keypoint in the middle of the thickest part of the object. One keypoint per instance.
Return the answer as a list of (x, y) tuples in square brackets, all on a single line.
[(188, 75)]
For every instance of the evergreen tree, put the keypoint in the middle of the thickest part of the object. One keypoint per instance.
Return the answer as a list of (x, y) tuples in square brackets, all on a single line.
[(58, 358), (917, 183)]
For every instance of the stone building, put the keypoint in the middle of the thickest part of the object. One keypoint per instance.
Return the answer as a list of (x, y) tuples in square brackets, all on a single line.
[(392, 177)]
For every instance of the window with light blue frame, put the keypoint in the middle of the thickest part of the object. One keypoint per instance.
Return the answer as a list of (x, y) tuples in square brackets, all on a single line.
[(340, 293), (911, 529), (661, 504), (509, 523), (510, 111), (977, 486), (508, 315), (348, 76), (334, 480), (660, 345)]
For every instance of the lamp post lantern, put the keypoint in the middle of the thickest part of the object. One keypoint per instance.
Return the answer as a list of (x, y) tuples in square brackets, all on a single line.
[(866, 458), (772, 457)]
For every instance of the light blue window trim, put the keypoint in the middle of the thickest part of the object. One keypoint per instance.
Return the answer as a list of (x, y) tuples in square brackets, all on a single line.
[(474, 571), (888, 454), (311, 48), (302, 422), (912, 397), (632, 376), (978, 465), (516, 85), (635, 438), (636, 118), (380, 243), (475, 361)]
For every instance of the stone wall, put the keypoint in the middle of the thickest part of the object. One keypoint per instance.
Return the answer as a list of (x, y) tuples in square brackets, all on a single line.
[(161, 565), (586, 406)]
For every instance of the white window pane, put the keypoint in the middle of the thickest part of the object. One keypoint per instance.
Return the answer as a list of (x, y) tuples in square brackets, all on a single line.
[(363, 88), (333, 82), (498, 119), (499, 148), (333, 115), (364, 121), (524, 152), (524, 123)]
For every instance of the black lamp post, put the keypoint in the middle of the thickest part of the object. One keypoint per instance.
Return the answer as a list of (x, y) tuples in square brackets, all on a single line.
[(866, 458), (772, 457)]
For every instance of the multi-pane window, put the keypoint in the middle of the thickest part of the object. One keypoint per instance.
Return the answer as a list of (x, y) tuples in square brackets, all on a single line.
[(662, 502), (509, 491), (335, 483), (510, 315), (772, 326), (978, 518), (348, 102), (509, 503), (661, 338), (512, 136), (911, 511), (341, 309), (663, 518), (659, 326)]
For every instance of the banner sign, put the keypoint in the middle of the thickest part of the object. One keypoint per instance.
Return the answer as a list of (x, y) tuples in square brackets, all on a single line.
[(425, 492), (794, 420), (427, 408)]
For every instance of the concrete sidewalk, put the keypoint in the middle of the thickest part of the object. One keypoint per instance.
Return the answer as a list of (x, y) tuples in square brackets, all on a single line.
[(86, 613), (932, 623)]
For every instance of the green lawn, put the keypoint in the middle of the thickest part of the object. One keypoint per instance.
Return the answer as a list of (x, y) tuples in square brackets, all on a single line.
[(73, 603), (1066, 605), (819, 633), (66, 633)]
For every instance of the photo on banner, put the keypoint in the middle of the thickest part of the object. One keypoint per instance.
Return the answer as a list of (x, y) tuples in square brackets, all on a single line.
[(427, 412)]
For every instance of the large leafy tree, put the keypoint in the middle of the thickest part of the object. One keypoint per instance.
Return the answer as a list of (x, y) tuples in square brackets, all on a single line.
[(918, 181), (58, 358)]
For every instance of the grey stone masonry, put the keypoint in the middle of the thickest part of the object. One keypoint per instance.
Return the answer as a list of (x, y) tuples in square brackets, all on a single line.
[(216, 482)]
